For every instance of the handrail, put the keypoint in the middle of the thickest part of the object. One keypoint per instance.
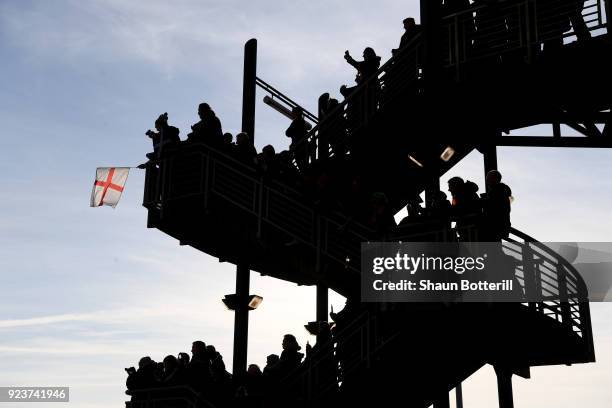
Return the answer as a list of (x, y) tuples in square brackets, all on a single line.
[(472, 34), (516, 28), (276, 93)]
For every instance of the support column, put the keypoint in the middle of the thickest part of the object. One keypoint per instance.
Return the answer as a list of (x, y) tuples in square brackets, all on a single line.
[(241, 322), (489, 154), (504, 387), (249, 88), (459, 395), (490, 158)]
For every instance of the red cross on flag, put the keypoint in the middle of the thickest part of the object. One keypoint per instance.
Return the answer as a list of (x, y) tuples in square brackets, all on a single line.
[(108, 186)]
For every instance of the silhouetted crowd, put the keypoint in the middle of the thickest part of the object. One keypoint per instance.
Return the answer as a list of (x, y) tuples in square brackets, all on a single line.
[(205, 374), (323, 169), (335, 185), (484, 217)]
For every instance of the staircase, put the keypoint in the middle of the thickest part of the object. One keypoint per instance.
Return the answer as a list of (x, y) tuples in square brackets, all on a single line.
[(207, 199), (210, 201)]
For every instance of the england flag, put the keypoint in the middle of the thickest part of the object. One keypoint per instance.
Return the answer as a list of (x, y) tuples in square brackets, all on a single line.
[(108, 186)]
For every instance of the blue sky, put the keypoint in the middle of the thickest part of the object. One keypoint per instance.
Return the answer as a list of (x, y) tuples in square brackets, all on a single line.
[(86, 292)]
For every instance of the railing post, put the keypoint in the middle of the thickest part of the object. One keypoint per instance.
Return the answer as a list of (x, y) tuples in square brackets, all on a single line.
[(529, 275), (566, 313), (459, 396), (608, 16), (585, 326), (323, 143)]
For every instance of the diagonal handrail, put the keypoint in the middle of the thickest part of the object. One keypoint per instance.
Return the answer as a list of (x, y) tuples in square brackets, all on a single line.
[(278, 94)]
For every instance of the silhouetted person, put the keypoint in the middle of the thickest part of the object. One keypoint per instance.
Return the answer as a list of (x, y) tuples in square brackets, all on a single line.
[(291, 357), (221, 381), (438, 212), (366, 70), (271, 361), (333, 127), (208, 129), (411, 31), (244, 149), (173, 374), (297, 131), (183, 359), (254, 382), (165, 137), (143, 378), (496, 206), (199, 367), (227, 144), (353, 110), (464, 206), (367, 67), (268, 162), (211, 352), (323, 360)]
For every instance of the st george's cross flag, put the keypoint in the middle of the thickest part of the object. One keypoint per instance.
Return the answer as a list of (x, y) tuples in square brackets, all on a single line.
[(108, 186)]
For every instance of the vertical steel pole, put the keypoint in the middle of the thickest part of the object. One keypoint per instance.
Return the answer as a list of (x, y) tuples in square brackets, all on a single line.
[(241, 322), (490, 159), (241, 314), (249, 88)]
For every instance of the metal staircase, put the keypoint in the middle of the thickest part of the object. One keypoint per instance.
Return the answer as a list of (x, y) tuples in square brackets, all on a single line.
[(211, 186), (206, 198)]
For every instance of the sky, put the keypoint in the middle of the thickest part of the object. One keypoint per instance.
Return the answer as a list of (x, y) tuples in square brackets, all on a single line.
[(86, 292)]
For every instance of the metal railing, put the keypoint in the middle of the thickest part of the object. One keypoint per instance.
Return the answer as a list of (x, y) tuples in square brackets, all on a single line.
[(199, 170), (285, 99), (205, 172), (546, 275), (510, 28), (518, 29), (324, 372)]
